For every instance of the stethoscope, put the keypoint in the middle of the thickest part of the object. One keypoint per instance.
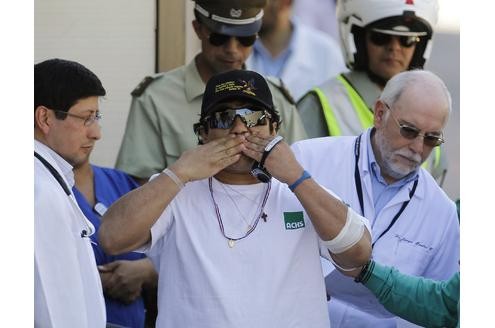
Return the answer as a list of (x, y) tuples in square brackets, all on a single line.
[(359, 190), (85, 232)]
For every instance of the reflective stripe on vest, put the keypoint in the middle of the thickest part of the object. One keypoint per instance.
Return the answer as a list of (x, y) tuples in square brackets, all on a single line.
[(362, 110), (363, 113), (332, 125)]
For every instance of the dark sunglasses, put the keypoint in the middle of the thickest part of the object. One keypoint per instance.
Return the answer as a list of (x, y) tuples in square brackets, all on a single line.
[(224, 119), (217, 39), (411, 132), (381, 39)]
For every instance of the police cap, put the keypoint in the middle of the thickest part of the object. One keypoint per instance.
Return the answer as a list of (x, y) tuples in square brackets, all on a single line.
[(231, 17)]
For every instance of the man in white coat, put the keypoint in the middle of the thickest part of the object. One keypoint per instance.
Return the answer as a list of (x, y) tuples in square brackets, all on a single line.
[(67, 287), (301, 56), (414, 224)]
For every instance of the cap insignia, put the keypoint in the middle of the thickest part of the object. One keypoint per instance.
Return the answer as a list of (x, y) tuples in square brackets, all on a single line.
[(236, 13)]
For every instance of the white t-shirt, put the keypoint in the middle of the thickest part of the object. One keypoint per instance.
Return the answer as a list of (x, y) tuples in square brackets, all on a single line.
[(67, 286), (271, 278)]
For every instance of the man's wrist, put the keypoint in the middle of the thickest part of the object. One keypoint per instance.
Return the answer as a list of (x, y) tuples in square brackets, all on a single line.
[(304, 176), (365, 273), (174, 177)]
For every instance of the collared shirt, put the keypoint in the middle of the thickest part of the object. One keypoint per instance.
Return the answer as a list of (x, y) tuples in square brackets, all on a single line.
[(382, 191), (310, 58), (64, 166), (269, 65)]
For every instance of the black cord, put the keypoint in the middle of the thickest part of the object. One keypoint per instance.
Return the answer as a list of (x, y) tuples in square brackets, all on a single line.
[(54, 172)]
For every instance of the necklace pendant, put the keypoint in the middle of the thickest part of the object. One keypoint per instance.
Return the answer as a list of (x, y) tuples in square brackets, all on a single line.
[(231, 243)]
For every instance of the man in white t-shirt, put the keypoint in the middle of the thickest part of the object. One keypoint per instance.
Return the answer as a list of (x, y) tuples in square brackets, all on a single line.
[(232, 251)]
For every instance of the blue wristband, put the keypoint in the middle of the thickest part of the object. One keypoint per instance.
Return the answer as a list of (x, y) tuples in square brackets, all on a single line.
[(305, 175)]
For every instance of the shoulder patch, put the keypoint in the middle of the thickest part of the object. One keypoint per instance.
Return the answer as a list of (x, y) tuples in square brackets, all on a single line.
[(277, 82), (143, 85)]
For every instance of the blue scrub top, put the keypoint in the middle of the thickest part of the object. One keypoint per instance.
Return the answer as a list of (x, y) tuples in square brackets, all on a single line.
[(110, 185)]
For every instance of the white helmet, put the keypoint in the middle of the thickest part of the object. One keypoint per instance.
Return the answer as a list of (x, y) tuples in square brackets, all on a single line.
[(399, 17)]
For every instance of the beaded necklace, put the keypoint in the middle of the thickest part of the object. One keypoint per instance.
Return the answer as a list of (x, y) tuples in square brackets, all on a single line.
[(231, 240)]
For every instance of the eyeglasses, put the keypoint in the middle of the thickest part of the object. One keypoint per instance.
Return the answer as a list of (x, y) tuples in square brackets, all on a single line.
[(381, 39), (217, 39), (411, 132), (224, 119), (88, 120)]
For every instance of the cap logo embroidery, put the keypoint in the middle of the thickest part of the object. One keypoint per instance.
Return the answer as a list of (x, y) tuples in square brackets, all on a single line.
[(248, 87), (236, 13), (239, 85)]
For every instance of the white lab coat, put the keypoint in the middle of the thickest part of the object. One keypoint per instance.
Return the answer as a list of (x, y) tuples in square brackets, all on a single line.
[(315, 58), (424, 241), (67, 286)]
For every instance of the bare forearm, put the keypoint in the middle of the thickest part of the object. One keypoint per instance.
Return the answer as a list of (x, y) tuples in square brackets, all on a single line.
[(127, 223), (328, 215)]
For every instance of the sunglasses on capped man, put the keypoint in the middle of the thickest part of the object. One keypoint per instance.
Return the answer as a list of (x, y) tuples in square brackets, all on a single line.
[(217, 39), (411, 132), (224, 117), (381, 39)]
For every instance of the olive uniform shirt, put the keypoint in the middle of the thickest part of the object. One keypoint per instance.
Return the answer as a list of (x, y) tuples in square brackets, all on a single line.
[(163, 110)]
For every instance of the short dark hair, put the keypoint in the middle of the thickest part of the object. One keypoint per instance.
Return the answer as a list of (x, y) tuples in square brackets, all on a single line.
[(59, 84)]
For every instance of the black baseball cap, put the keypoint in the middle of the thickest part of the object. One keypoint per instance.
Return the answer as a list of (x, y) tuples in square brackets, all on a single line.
[(236, 85), (231, 17)]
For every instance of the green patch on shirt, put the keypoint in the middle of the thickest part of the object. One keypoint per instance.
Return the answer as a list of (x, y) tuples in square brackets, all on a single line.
[(294, 220)]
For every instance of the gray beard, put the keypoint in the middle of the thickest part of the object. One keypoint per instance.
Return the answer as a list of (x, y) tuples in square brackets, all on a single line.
[(387, 166)]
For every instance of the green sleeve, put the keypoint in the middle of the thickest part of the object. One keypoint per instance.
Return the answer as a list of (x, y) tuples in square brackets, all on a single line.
[(419, 300), (141, 153)]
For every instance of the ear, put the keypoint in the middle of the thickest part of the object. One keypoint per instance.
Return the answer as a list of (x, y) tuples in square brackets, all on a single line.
[(202, 136), (197, 28), (379, 114), (42, 119), (274, 129)]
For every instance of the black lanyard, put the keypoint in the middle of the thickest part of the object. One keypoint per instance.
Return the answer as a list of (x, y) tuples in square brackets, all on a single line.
[(60, 180), (54, 172), (359, 190)]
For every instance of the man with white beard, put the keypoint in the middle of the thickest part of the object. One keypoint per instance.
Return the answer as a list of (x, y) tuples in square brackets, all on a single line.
[(414, 223)]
